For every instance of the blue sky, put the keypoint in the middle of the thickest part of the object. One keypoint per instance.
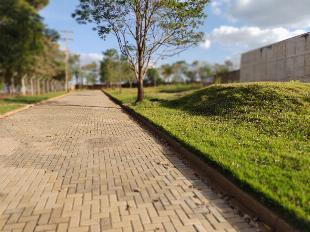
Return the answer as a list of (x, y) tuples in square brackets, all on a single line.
[(232, 27)]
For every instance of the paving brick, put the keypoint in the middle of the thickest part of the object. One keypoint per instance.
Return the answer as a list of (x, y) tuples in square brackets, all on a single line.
[(81, 164)]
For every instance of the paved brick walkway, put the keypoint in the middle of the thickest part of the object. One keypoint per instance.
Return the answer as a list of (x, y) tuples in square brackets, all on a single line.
[(80, 164)]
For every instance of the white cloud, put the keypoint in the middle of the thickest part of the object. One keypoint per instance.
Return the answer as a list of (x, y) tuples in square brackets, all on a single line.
[(218, 6), (206, 44), (87, 58), (244, 38), (252, 24), (271, 13)]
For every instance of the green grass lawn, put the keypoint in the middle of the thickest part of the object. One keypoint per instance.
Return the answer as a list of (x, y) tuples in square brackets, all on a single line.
[(13, 103), (257, 134)]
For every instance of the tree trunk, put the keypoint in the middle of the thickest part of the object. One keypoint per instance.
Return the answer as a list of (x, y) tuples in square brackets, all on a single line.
[(38, 87), (8, 88), (45, 86), (42, 86), (23, 89), (140, 95), (7, 83), (12, 88), (31, 84), (50, 86)]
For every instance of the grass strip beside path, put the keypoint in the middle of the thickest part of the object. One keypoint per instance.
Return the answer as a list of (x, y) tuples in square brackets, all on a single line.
[(257, 134), (12, 103)]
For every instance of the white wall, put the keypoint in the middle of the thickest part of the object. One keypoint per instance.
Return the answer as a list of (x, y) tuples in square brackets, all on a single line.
[(283, 61)]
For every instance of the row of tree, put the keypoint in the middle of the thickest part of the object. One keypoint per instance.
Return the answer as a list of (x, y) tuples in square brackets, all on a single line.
[(198, 71), (86, 74), (114, 68), (31, 61)]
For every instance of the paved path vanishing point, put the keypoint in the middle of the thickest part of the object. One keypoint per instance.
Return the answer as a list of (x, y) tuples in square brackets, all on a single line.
[(79, 163)]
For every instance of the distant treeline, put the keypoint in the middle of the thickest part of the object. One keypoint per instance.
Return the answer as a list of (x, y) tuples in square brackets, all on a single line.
[(115, 69)]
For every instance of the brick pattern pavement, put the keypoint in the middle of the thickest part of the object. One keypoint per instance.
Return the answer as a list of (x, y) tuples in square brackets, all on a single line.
[(80, 164)]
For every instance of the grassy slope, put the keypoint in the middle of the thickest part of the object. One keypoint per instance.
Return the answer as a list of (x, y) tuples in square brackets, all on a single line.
[(12, 103), (256, 133)]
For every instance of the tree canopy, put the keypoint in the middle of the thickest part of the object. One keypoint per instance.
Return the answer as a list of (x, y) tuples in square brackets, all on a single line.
[(153, 76), (38, 4), (90, 72), (21, 37), (181, 71), (146, 30), (114, 68), (28, 48)]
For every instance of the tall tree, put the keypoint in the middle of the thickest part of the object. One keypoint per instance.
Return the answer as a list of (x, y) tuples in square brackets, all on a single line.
[(201, 70), (191, 72), (48, 65), (126, 73), (153, 76), (146, 30), (115, 68), (21, 38), (74, 62), (229, 65), (204, 71), (90, 71), (179, 70), (109, 66), (166, 71), (38, 4)]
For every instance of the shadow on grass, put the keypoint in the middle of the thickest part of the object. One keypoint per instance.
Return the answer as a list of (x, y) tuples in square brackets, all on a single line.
[(157, 100), (24, 100), (179, 89), (235, 100), (271, 110)]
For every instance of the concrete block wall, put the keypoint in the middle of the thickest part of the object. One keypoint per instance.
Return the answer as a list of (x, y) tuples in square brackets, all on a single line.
[(283, 61)]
